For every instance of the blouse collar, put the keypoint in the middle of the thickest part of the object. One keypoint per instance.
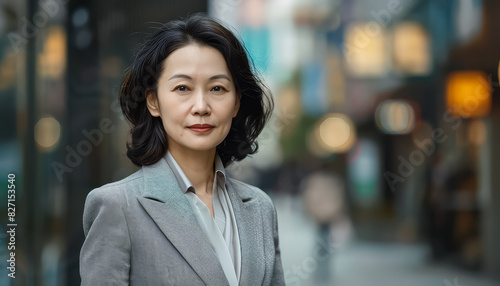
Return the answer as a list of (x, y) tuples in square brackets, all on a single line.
[(183, 180)]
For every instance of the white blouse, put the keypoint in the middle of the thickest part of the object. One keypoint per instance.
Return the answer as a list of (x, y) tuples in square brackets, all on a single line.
[(221, 230)]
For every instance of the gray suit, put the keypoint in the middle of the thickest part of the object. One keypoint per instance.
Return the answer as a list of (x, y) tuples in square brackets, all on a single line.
[(142, 231)]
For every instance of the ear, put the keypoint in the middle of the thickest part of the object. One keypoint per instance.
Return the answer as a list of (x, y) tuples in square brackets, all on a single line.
[(237, 105), (152, 103)]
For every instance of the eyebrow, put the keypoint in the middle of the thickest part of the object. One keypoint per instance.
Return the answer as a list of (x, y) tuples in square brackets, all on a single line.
[(211, 78)]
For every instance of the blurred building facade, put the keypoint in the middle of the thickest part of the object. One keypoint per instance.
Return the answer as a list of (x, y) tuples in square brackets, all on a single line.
[(62, 62)]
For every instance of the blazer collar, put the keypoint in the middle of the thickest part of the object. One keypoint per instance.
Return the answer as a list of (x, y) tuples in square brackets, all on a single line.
[(161, 185), (165, 202)]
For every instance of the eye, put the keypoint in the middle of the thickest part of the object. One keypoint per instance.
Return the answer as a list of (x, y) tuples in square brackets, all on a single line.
[(181, 88), (218, 89)]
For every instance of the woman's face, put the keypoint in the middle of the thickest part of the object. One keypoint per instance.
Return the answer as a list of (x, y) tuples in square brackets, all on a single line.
[(196, 98)]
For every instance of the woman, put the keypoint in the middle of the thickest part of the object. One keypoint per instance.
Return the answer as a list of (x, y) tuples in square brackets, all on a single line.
[(195, 107)]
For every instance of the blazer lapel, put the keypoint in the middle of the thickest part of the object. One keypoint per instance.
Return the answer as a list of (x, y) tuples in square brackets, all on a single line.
[(248, 220), (167, 205)]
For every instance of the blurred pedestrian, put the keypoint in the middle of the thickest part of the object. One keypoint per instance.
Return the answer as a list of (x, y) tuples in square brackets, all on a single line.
[(324, 201)]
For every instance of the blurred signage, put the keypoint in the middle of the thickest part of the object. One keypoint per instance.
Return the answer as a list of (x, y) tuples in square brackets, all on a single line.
[(364, 172)]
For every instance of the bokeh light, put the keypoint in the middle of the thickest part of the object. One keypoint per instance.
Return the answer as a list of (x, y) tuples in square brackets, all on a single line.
[(47, 133), (80, 17), (335, 133), (411, 48), (395, 117), (52, 60), (468, 94), (365, 49)]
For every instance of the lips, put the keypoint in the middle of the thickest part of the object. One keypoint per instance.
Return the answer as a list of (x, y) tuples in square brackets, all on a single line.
[(201, 128)]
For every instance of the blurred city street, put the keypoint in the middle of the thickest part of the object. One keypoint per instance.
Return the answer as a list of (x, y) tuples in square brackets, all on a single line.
[(381, 153), (359, 263)]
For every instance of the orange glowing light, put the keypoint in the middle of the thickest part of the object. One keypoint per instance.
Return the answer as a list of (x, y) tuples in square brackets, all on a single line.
[(52, 61), (468, 94)]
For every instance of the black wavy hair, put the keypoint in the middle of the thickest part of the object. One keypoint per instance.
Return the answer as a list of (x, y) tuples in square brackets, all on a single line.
[(148, 142)]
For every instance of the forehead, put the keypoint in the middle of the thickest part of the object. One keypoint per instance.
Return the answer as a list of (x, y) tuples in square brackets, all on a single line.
[(195, 60)]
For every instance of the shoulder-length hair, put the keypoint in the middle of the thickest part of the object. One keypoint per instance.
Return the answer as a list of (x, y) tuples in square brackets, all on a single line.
[(148, 142)]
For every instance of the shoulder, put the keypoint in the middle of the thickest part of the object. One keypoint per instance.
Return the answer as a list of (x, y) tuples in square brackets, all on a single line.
[(109, 201), (117, 190), (252, 192), (259, 200)]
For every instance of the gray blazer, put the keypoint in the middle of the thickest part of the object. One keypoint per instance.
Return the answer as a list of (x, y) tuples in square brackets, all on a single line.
[(142, 231)]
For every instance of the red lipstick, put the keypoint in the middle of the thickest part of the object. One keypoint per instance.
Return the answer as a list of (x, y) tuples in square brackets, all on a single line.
[(201, 128)]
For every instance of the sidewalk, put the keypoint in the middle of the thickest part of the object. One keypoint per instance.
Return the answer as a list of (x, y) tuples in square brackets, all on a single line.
[(308, 260)]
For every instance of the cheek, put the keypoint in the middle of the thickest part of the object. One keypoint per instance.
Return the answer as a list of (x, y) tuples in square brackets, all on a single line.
[(230, 108), (171, 118), (227, 118), (172, 124)]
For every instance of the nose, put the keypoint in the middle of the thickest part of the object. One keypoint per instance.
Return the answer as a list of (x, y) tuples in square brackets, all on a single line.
[(200, 104)]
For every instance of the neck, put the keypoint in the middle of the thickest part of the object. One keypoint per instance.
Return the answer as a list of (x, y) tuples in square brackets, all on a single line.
[(198, 167)]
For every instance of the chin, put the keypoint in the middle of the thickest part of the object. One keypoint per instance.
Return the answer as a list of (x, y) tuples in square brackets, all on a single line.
[(203, 144), (201, 147)]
